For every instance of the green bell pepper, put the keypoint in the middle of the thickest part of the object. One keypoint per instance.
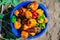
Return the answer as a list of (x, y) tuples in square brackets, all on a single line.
[(43, 25), (13, 19), (41, 17)]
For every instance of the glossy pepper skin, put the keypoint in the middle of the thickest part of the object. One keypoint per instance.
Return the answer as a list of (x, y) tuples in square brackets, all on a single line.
[(43, 25), (24, 34), (24, 9), (32, 22), (17, 25), (34, 15), (33, 5), (16, 13), (40, 21), (39, 12), (45, 20), (28, 14), (25, 27), (13, 19), (41, 17)]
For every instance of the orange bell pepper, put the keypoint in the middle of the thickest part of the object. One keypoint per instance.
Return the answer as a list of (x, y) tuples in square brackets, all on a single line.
[(17, 25), (24, 9), (16, 13), (24, 34), (45, 20), (33, 5), (25, 27), (28, 14), (32, 22)]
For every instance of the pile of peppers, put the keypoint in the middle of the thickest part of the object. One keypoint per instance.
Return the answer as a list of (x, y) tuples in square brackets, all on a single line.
[(30, 19)]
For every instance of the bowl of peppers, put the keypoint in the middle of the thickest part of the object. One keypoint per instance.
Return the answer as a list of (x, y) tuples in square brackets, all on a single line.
[(29, 20)]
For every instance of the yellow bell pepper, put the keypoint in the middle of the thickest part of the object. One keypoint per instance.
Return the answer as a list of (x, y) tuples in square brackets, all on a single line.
[(24, 34), (32, 22), (28, 14), (39, 12), (17, 25), (16, 13), (40, 21)]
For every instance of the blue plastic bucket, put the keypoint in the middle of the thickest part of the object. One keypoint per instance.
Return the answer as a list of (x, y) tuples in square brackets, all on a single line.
[(17, 32)]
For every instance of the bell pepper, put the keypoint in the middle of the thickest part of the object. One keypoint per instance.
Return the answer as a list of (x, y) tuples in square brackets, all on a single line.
[(34, 15), (16, 13), (24, 9), (40, 21), (37, 24), (38, 29), (17, 25), (41, 17), (24, 34), (32, 22), (43, 25), (45, 20), (33, 6), (33, 34), (13, 19), (39, 12), (28, 14), (25, 27), (18, 19)]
